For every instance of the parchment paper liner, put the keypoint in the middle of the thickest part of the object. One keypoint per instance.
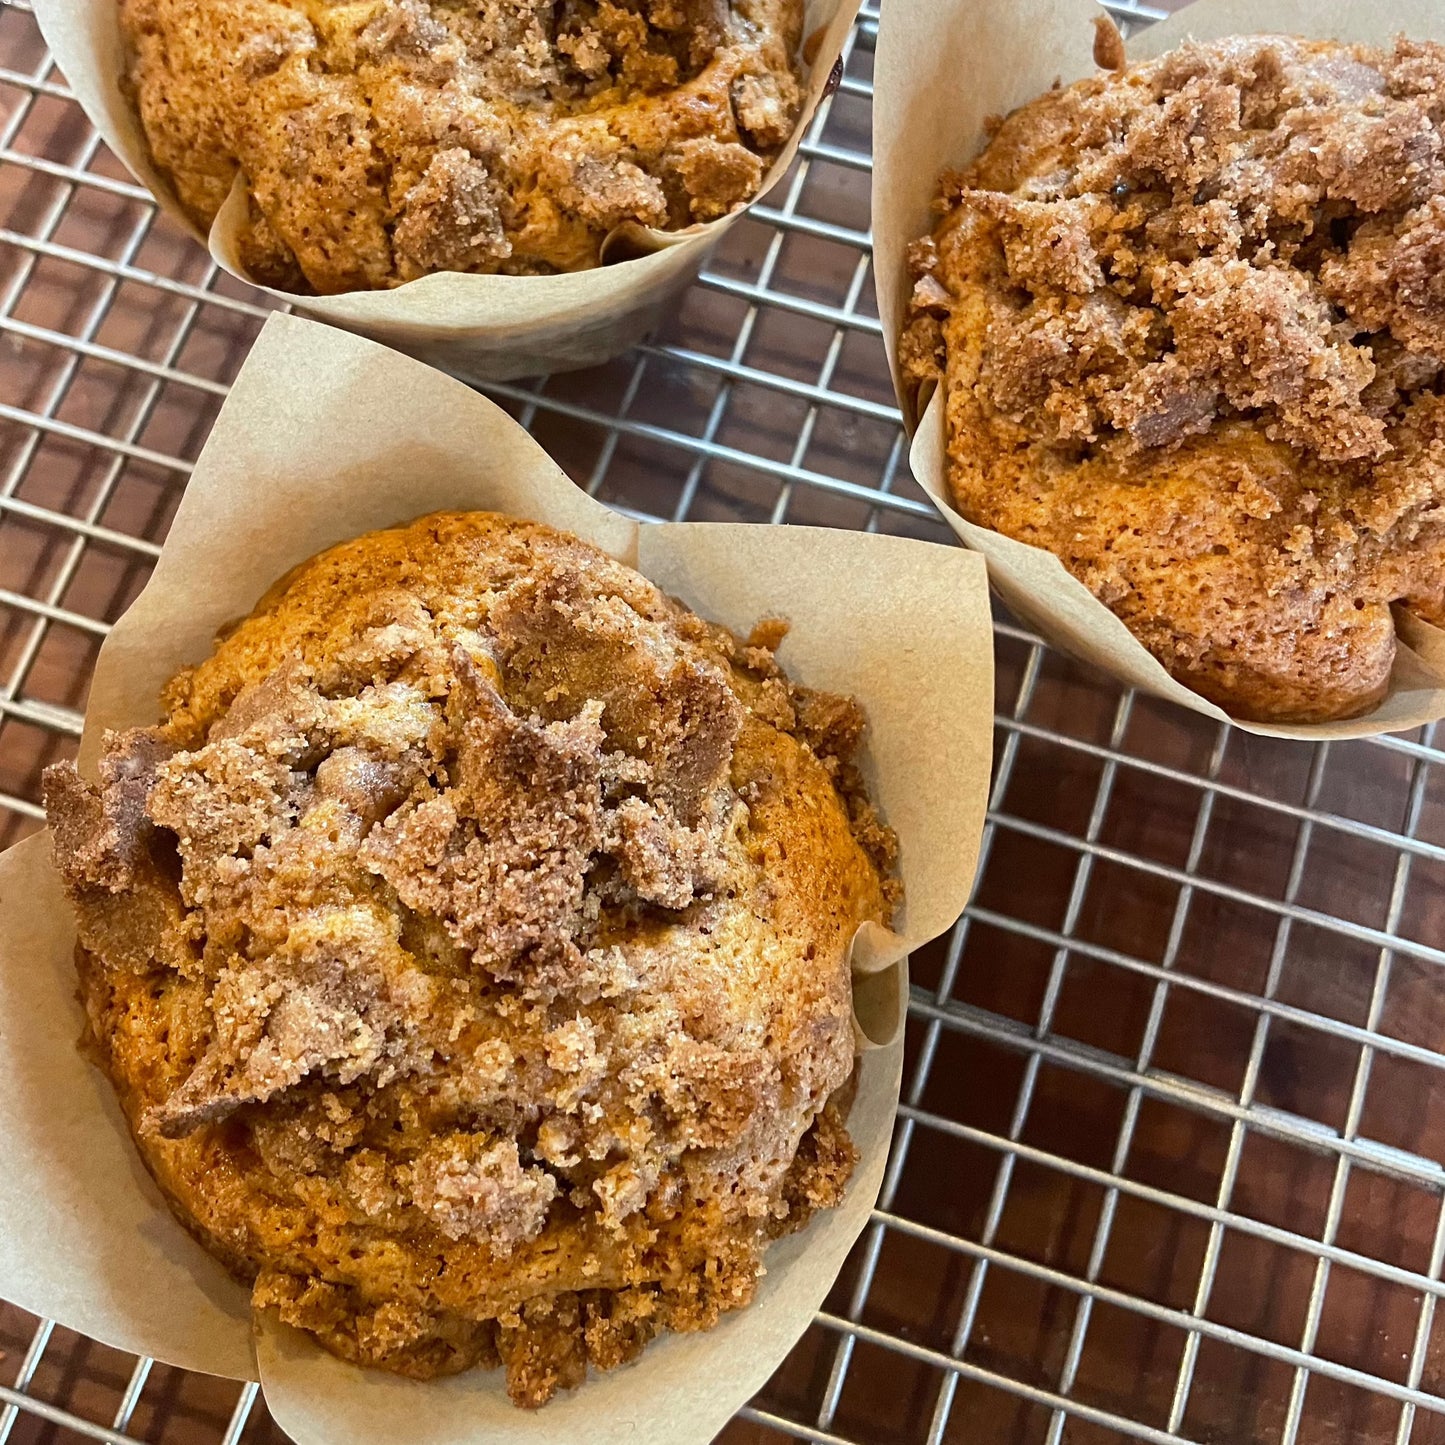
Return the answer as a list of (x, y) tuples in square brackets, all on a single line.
[(940, 69), (325, 436), (486, 328)]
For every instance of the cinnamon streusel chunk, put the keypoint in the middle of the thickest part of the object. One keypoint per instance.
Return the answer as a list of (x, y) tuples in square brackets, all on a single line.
[(385, 140), (1191, 322), (468, 947)]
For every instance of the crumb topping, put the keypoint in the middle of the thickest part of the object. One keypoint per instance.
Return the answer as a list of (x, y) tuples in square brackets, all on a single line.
[(1216, 274), (477, 902), (387, 140)]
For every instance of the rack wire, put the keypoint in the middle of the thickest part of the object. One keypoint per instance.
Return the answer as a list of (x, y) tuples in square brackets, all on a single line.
[(1167, 1165)]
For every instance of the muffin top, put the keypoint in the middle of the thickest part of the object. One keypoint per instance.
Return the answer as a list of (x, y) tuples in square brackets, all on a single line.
[(384, 140), (469, 947), (1192, 320)]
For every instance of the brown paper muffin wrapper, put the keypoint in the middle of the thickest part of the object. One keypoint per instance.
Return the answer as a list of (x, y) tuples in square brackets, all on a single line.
[(941, 69), (325, 436), (484, 328)]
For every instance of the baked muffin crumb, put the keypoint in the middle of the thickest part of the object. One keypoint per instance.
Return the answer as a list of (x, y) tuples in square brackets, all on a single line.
[(1190, 317), (385, 141), (468, 947)]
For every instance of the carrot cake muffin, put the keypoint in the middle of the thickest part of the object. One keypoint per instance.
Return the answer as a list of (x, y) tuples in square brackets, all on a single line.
[(1190, 317), (387, 139), (468, 948)]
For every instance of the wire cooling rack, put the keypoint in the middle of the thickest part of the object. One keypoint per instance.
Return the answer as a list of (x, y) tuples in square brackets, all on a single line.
[(1166, 1166)]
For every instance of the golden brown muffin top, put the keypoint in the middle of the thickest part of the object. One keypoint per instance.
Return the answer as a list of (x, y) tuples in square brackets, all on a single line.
[(469, 946), (1198, 309), (384, 140)]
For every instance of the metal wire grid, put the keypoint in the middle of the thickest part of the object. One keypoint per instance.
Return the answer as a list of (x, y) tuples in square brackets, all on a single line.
[(1166, 1164)]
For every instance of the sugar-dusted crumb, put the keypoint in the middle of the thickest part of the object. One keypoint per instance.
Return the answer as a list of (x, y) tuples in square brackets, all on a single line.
[(385, 141), (1191, 317), (468, 947)]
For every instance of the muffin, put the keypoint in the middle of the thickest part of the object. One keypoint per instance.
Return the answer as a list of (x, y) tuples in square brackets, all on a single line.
[(385, 140), (1190, 319), (469, 950)]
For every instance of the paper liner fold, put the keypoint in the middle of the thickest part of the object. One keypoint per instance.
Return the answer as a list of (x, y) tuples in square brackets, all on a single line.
[(486, 328), (325, 436), (926, 121)]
